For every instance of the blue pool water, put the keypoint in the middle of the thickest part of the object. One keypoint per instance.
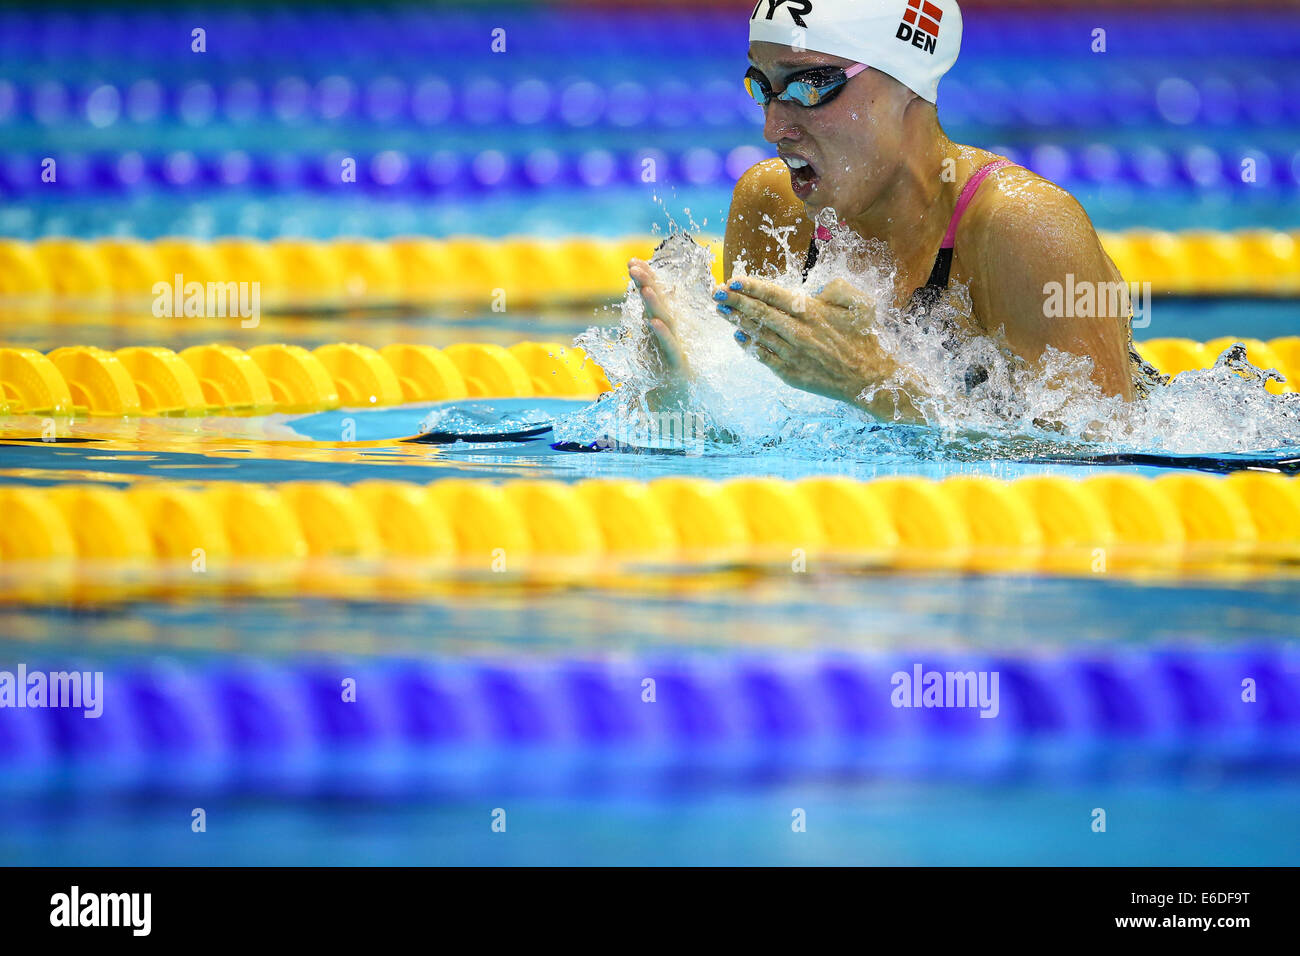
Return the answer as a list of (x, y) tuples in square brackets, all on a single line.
[(1206, 820), (624, 210), (1178, 790), (348, 446), (1124, 695)]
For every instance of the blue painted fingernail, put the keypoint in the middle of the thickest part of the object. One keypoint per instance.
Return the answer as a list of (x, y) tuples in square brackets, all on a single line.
[(720, 296), (725, 309), (737, 285), (741, 337)]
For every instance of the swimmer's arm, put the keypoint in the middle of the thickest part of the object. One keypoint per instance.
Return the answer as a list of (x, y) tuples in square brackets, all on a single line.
[(1035, 246), (763, 197)]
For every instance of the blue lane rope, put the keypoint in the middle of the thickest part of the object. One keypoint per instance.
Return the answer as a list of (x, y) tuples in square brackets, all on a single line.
[(250, 724), (1200, 168)]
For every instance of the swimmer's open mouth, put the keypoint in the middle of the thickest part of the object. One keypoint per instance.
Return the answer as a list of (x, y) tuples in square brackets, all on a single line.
[(803, 176)]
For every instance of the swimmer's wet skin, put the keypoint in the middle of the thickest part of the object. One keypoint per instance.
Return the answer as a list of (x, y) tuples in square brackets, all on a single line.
[(866, 144)]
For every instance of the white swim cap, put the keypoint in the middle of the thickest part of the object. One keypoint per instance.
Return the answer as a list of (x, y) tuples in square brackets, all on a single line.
[(914, 41)]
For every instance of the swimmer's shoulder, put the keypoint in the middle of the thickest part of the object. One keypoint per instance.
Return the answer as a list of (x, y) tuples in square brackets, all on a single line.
[(763, 197), (765, 187), (1019, 213), (1026, 234)]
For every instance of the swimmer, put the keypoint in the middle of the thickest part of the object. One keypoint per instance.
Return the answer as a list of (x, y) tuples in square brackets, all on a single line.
[(848, 90)]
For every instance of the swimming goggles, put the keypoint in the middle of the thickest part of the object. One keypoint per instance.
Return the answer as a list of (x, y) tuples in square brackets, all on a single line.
[(815, 87)]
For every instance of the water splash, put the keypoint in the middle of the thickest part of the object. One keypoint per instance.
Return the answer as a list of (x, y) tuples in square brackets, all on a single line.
[(979, 399)]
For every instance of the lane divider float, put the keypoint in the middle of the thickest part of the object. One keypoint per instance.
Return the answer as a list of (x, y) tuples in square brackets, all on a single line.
[(220, 379), (325, 537), (522, 271), (186, 717)]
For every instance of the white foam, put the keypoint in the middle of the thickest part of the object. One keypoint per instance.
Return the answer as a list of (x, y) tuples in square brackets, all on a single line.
[(1052, 405)]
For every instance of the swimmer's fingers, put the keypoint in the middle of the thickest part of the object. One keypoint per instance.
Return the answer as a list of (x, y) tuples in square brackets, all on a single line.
[(643, 278), (765, 341), (793, 302), (772, 360), (654, 306), (640, 272), (669, 347), (842, 294), (773, 323), (647, 284)]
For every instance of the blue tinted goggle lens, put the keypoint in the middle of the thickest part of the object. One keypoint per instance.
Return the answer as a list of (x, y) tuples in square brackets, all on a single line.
[(820, 87)]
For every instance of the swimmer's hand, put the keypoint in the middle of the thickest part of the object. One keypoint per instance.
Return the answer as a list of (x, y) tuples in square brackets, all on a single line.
[(816, 343), (663, 334)]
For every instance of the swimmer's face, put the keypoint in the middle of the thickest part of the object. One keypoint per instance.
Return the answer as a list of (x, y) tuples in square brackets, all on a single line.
[(849, 144)]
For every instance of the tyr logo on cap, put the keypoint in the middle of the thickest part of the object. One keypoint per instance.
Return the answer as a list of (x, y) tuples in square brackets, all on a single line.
[(796, 9), (920, 25)]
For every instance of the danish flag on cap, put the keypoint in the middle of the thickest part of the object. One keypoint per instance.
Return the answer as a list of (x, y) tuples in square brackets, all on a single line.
[(924, 16)]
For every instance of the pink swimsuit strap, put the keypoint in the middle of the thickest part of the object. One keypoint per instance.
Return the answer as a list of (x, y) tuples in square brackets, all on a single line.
[(967, 194), (963, 202)]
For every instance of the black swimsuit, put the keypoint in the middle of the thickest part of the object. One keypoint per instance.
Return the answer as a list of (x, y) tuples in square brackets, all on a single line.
[(924, 297)]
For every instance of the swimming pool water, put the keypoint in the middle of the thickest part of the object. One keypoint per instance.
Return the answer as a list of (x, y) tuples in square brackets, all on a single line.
[(550, 142), (1194, 798), (1206, 819)]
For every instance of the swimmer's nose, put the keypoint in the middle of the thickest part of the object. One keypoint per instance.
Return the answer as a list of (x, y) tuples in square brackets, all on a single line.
[(779, 122)]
